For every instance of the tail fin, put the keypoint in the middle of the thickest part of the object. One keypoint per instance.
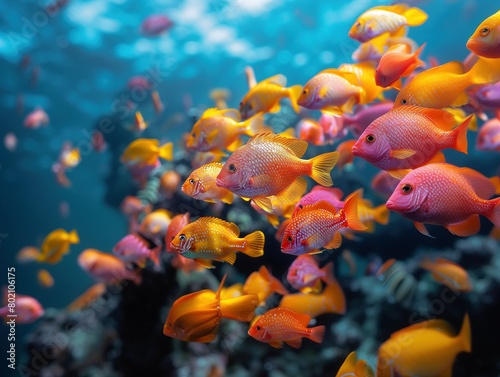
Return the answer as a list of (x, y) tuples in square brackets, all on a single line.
[(322, 166), (240, 308), (485, 71), (317, 334), (329, 278), (494, 215), (166, 151), (363, 369), (254, 244), (73, 236), (254, 124), (415, 17), (228, 197), (465, 335), (460, 135), (294, 94), (381, 214), (335, 298), (351, 212)]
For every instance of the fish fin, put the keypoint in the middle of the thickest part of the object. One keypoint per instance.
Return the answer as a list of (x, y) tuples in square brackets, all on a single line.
[(209, 138), (422, 229), (294, 94), (207, 263), (415, 16), (276, 344), (240, 308), (328, 270), (323, 91), (275, 108), (473, 123), (214, 220), (460, 134), (465, 334), (363, 369), (402, 154), (398, 84), (348, 106), (253, 125), (155, 255), (229, 258), (273, 220), (278, 79), (348, 366), (351, 212), (254, 244), (234, 145), (228, 197), (166, 151), (294, 192), (334, 243), (210, 200), (370, 227), (482, 186), (465, 228), (210, 112), (264, 203), (454, 67), (495, 233), (485, 71), (496, 183), (275, 284), (436, 324), (303, 319), (322, 204), (295, 343), (289, 132), (335, 298), (381, 214), (438, 158), (297, 146), (348, 76), (332, 110), (73, 237), (461, 100), (398, 173), (322, 166), (234, 114)]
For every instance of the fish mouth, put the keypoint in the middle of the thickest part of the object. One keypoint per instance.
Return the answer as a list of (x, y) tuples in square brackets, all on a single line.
[(356, 151), (390, 205), (220, 183)]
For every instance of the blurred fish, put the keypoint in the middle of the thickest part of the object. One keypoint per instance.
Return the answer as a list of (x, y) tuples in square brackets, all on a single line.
[(209, 238), (177, 223), (358, 122), (155, 24), (399, 283), (488, 137), (138, 82), (220, 96), (345, 153), (270, 165), (365, 72), (139, 123), (409, 137), (382, 19), (486, 39), (98, 142), (425, 349), (318, 193), (158, 105), (169, 183), (202, 158), (330, 300), (283, 325), (371, 50), (133, 248), (45, 279), (279, 207), (56, 244), (265, 96), (27, 254), (27, 309), (106, 267), (396, 63), (311, 131), (154, 225), (305, 275), (146, 152), (201, 185), (487, 95), (87, 297), (184, 264), (263, 284), (446, 195), (352, 367), (384, 184), (219, 130), (315, 227), (195, 317), (448, 273), (37, 118), (368, 214), (69, 157), (132, 207), (10, 141), (250, 76)]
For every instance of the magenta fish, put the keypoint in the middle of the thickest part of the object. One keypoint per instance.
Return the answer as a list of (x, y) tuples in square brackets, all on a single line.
[(133, 248), (331, 195), (155, 25), (304, 274), (358, 122)]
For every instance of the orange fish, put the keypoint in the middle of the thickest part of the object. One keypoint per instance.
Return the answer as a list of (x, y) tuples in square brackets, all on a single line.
[(56, 244), (155, 224), (195, 317), (158, 105), (271, 165), (368, 214), (209, 238), (426, 349), (448, 273), (330, 300), (38, 117), (176, 224), (139, 123), (263, 284), (311, 131), (219, 130), (201, 185), (87, 297), (365, 73), (396, 63), (345, 153), (445, 85), (283, 325), (352, 367), (45, 279), (486, 39), (27, 254), (169, 183), (265, 96)]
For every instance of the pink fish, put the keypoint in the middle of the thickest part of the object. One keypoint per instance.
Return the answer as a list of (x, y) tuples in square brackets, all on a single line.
[(384, 184), (488, 137), (106, 267), (138, 82), (27, 308), (331, 195), (333, 128), (155, 25), (358, 122), (38, 117), (311, 131), (10, 141), (133, 248), (447, 195), (409, 137), (305, 275)]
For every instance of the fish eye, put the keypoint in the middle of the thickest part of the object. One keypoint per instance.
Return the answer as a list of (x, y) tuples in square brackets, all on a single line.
[(191, 181), (404, 102), (258, 328), (289, 239), (182, 237), (358, 24), (485, 31), (406, 188), (301, 206), (232, 168), (305, 91), (370, 138), (193, 134)]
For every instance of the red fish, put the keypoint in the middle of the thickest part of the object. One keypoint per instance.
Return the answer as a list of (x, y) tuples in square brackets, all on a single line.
[(283, 325), (447, 195), (176, 224), (396, 63)]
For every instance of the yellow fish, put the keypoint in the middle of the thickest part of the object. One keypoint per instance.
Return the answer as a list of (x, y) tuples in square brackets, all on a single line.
[(448, 273), (486, 39), (426, 349), (365, 72), (209, 238), (56, 244), (263, 284), (266, 95), (145, 152), (201, 185)]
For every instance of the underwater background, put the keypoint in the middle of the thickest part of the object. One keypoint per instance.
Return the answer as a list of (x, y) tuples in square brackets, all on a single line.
[(75, 61)]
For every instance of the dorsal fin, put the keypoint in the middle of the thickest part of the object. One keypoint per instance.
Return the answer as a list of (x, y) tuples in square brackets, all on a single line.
[(214, 220), (221, 285), (276, 79), (347, 368), (443, 119), (396, 8), (304, 319), (297, 146), (210, 112), (231, 113), (349, 76), (455, 67), (322, 204)]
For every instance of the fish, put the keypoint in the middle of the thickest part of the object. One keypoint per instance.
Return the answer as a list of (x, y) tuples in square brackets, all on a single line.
[(384, 184), (10, 141), (218, 130), (311, 131), (139, 123), (186, 265), (154, 225), (488, 137), (56, 244), (220, 96), (271, 165), (27, 309), (69, 157), (400, 285), (196, 317), (333, 127), (365, 73), (447, 195), (383, 19), (397, 62), (425, 349), (445, 85), (135, 249), (98, 142), (176, 224), (315, 227), (265, 96), (169, 183), (283, 325), (263, 284), (278, 208), (132, 207), (87, 297), (146, 152), (485, 41), (210, 238), (368, 214), (305, 275), (158, 105), (27, 254), (332, 91), (45, 279), (36, 119), (330, 300), (155, 25), (448, 273), (361, 119), (345, 153), (352, 367), (201, 185), (106, 267), (409, 137), (318, 193)]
